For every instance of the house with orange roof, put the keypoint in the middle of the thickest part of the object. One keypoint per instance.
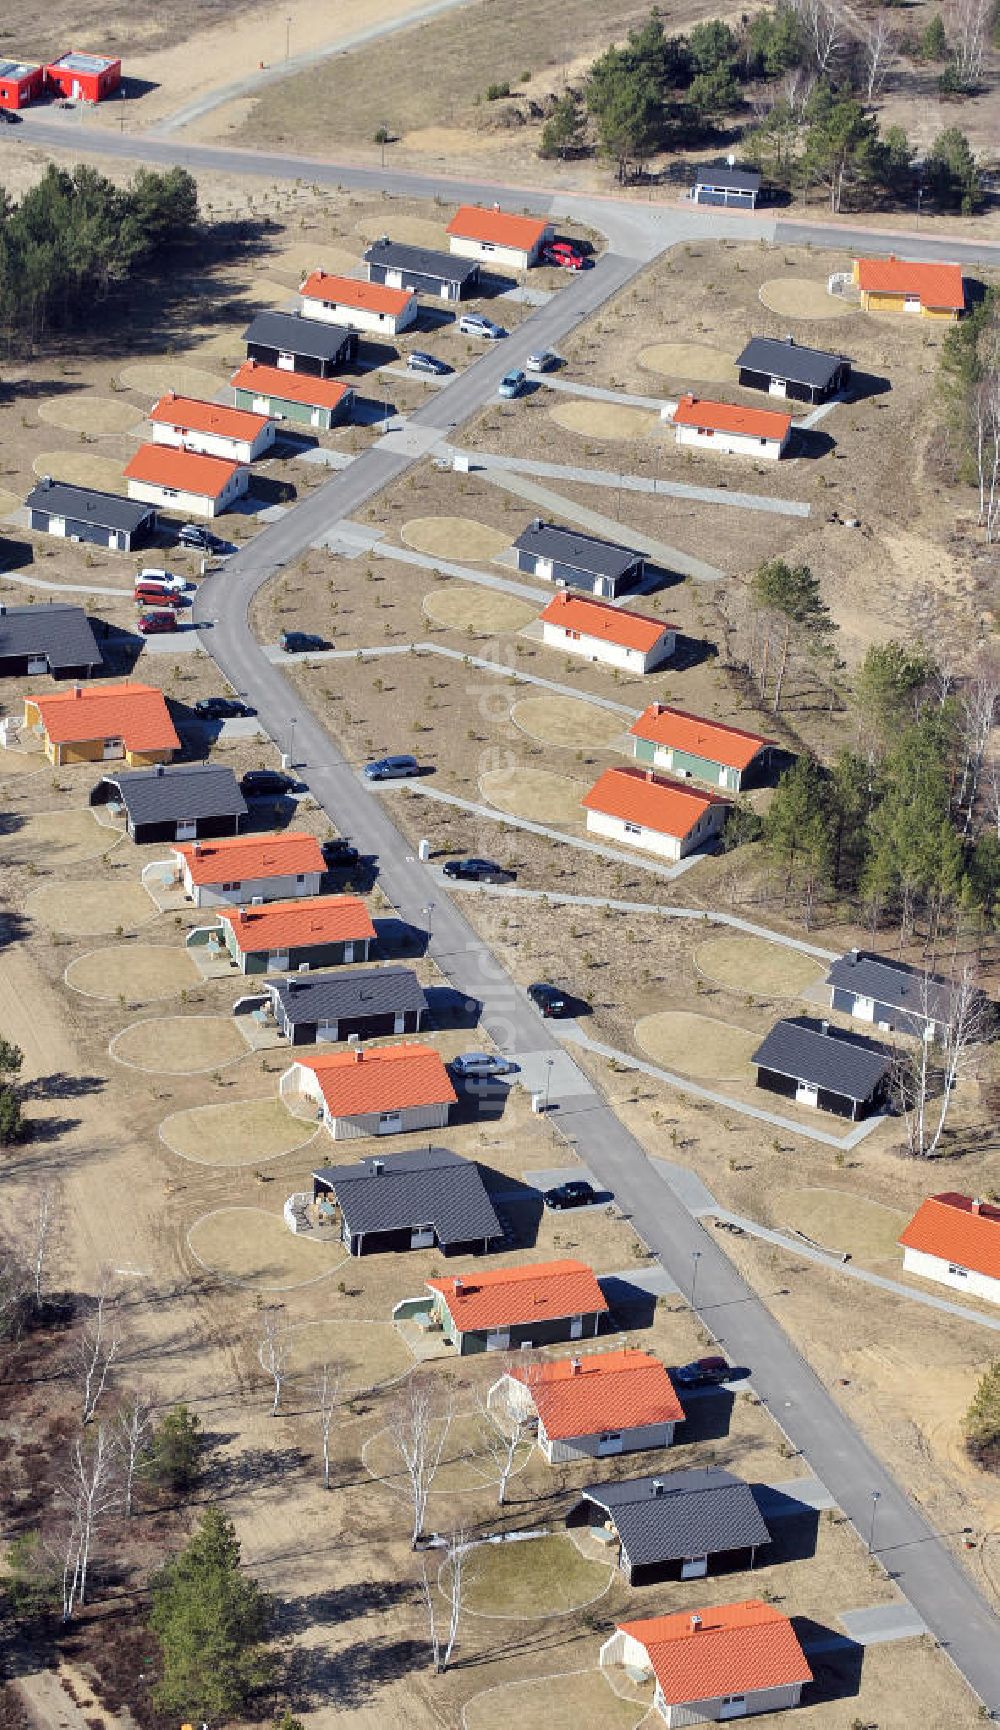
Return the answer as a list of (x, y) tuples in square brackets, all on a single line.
[(645, 810), (235, 869), (580, 625), (192, 485), (293, 396), (740, 432), (593, 1404), (905, 285), (496, 237), (955, 1240), (511, 1308), (103, 723), (284, 936), (690, 746), (375, 1090), (727, 1661), (357, 305), (210, 429)]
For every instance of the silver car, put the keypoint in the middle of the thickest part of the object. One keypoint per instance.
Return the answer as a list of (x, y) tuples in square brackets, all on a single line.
[(543, 360)]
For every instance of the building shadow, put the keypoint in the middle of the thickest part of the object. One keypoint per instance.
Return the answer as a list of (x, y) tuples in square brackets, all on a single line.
[(447, 1007), (810, 443), (708, 1413), (373, 411), (630, 1305), (398, 940), (865, 385), (690, 652), (121, 649), (835, 1660), (518, 1205), (481, 1099), (793, 1525), (15, 555)]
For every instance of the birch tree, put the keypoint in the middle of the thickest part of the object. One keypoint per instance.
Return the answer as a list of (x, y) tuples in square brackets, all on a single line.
[(986, 438), (929, 1066), (454, 1578), (100, 1343), (43, 1224), (87, 1492), (419, 1429), (977, 709), (879, 54), (273, 1350), (133, 1434), (503, 1432), (968, 23), (327, 1392)]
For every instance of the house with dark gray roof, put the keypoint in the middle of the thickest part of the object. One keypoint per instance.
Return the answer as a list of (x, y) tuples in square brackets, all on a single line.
[(574, 560), (85, 514), (54, 639), (895, 997), (677, 1525), (312, 1009), (786, 368), (442, 274), (428, 1198), (821, 1066), (292, 343), (738, 188), (175, 802)]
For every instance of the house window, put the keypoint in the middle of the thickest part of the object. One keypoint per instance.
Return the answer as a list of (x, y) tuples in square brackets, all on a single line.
[(301, 877), (960, 1272), (574, 636), (633, 828), (169, 492), (763, 441), (229, 888)]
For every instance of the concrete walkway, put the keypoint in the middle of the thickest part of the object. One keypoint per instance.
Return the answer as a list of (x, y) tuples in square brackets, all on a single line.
[(484, 579), (597, 393), (32, 582)]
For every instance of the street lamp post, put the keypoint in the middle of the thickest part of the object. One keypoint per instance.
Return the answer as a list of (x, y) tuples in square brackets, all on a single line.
[(288, 38), (291, 741), (549, 1061), (876, 1498), (429, 915), (695, 1259)]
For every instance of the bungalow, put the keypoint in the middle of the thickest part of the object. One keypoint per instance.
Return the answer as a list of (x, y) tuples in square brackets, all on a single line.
[(577, 561), (84, 514), (599, 632), (647, 811), (282, 936), (354, 305), (390, 1090), (495, 237), (294, 396), (596, 1404), (428, 1198), (291, 343), (679, 1526), (196, 486), (20, 84), (737, 432), (250, 868), (736, 188), (510, 1308), (188, 423), (688, 745), (100, 723), (84, 77), (56, 639), (784, 367), (728, 1661), (176, 803), (895, 997), (822, 1066), (418, 267), (900, 285), (955, 1240), (321, 1008)]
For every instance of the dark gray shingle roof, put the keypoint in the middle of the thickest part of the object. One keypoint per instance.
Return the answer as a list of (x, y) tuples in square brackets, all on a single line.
[(87, 505), (923, 995), (62, 633), (826, 1056), (293, 334), (428, 1186), (700, 1512), (379, 991), (581, 552), (736, 179), (782, 357), (421, 260), (175, 792)]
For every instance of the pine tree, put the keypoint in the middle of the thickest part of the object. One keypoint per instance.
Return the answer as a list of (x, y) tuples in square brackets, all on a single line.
[(174, 1459), (211, 1620)]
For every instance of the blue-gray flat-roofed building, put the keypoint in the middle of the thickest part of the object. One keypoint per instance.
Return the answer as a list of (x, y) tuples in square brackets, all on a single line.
[(85, 514), (784, 367), (679, 1523), (295, 344), (716, 183), (175, 801), (369, 1004)]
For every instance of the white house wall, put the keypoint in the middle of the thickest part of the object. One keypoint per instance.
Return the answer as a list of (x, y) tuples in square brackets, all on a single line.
[(360, 318), (234, 450), (680, 1717), (511, 257), (730, 443), (252, 889), (613, 829), (190, 504), (933, 1267), (416, 1118), (611, 654), (563, 1449)]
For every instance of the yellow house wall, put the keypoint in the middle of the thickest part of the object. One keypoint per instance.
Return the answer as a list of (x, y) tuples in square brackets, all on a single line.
[(146, 759), (874, 302), (81, 751)]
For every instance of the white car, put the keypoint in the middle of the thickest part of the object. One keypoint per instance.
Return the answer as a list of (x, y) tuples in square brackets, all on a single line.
[(163, 579), (543, 360)]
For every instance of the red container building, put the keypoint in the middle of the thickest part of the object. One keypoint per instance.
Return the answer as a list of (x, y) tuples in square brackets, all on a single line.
[(20, 84), (84, 77)]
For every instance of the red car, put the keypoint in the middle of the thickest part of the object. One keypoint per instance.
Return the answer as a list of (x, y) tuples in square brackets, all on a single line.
[(156, 620), (157, 595), (560, 252)]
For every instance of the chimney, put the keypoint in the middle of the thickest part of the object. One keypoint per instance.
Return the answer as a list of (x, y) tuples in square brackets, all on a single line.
[(576, 1365), (657, 1486), (3, 609), (359, 1055), (977, 1204), (824, 1027), (159, 766), (695, 1624), (241, 914), (78, 690), (196, 849), (378, 1167), (649, 775), (855, 955), (459, 1286)]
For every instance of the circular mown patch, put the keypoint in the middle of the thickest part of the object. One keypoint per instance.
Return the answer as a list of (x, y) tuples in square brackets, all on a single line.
[(159, 376), (755, 966), (454, 538), (91, 907), (14, 763), (460, 607), (567, 722), (604, 420), (80, 469), (536, 794), (241, 1132), (367, 1354), (90, 414), (465, 1466), (248, 1247), (800, 297), (571, 1701), (178, 1044), (59, 837), (139, 973), (689, 360), (697, 1044), (531, 1579)]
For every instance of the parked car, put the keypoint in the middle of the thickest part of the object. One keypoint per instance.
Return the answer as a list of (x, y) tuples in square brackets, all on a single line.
[(158, 619), (222, 708), (563, 254), (542, 360), (265, 783), (548, 998), (477, 871), (301, 642), (475, 324), (576, 1193), (149, 591), (482, 1063), (420, 361), (512, 383), (166, 579), (338, 853), (702, 1373), (388, 768), (193, 535)]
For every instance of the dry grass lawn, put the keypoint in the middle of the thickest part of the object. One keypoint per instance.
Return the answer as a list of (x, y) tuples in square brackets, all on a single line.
[(142, 974), (838, 1220), (408, 230), (459, 607), (565, 721), (368, 1354), (535, 793), (531, 1580), (753, 965), (604, 420), (57, 838), (454, 538), (575, 1700), (17, 763), (81, 469), (465, 1467), (241, 1132), (689, 360), (179, 1044), (246, 1246), (800, 297), (697, 1045), (159, 376), (297, 261), (90, 907), (90, 414)]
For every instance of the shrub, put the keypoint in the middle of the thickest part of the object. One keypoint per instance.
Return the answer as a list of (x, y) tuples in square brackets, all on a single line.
[(495, 91)]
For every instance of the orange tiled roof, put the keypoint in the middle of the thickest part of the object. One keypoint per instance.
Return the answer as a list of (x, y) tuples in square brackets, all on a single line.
[(599, 619), (638, 796), (582, 1396), (137, 714), (289, 386), (950, 1227), (162, 466), (698, 737), (938, 285), (385, 1078), (471, 222), (542, 1291), (361, 296), (299, 924), (763, 423), (191, 413), (729, 1649), (240, 856)]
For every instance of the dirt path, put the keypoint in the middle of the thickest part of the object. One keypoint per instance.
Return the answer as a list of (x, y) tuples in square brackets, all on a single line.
[(45, 1694)]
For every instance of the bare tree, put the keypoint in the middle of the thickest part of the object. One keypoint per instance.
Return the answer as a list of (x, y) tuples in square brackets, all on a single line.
[(825, 33), (978, 700), (419, 1429), (274, 1346), (133, 1430), (967, 24), (327, 1391), (43, 1223), (964, 1015), (986, 439), (456, 1572), (15, 1290), (99, 1345), (879, 54), (87, 1492), (508, 1418)]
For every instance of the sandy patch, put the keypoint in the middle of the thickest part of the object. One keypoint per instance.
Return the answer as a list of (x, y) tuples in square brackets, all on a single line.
[(838, 1220), (246, 1246), (225, 348), (408, 230), (368, 1354), (578, 1700), (535, 793), (564, 721), (241, 1132), (159, 376), (80, 469), (689, 360), (141, 974), (178, 1044), (486, 611), (798, 297), (9, 502), (449, 141), (21, 762), (604, 420), (276, 294), (753, 965), (454, 538), (91, 908), (55, 838), (697, 1045), (296, 262), (89, 414)]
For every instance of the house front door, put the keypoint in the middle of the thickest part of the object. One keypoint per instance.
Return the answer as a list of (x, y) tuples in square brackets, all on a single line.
[(286, 362), (576, 1328), (38, 664), (422, 1237), (498, 1340), (390, 1123), (610, 1442), (694, 1567), (733, 1706), (348, 951), (279, 959), (112, 748), (778, 387), (187, 831), (57, 525), (864, 1008), (911, 303), (806, 1094)]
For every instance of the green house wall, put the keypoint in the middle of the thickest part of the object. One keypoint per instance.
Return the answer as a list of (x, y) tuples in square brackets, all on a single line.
[(702, 768), (302, 412)]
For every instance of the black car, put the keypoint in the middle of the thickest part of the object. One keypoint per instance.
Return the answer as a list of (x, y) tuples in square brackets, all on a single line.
[(222, 708), (477, 871), (703, 1373), (193, 535), (338, 853), (548, 998), (577, 1193), (301, 642), (265, 783)]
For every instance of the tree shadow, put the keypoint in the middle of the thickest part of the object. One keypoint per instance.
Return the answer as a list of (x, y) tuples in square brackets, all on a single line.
[(16, 554), (253, 1469), (342, 1604), (352, 1675), (59, 1085)]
